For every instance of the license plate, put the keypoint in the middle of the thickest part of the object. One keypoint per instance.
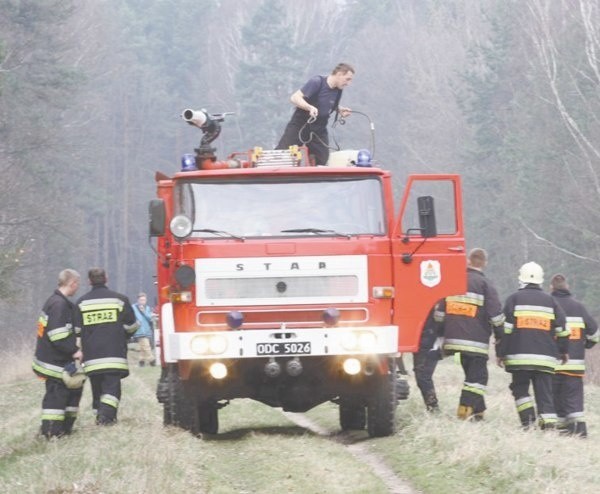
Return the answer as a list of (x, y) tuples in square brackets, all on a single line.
[(284, 348)]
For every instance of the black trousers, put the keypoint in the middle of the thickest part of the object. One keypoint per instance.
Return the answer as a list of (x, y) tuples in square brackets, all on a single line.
[(568, 398), (475, 384), (106, 395), (424, 364), (544, 399), (317, 139), (60, 406)]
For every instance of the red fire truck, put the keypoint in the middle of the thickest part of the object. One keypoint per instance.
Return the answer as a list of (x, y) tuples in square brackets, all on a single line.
[(294, 285)]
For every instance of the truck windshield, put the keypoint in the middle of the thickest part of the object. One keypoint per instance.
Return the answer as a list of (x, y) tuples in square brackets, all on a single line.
[(275, 208)]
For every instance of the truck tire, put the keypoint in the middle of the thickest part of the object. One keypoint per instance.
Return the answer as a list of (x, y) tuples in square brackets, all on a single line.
[(208, 418), (166, 394), (186, 410), (381, 407), (180, 407), (353, 416)]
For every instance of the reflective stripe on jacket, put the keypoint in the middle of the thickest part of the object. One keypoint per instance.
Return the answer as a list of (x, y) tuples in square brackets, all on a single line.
[(583, 332), (534, 331), (468, 319)]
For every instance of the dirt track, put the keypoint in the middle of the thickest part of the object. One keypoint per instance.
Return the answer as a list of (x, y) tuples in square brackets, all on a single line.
[(395, 484)]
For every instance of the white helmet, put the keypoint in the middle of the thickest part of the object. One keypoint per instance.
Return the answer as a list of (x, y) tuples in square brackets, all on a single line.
[(531, 272)]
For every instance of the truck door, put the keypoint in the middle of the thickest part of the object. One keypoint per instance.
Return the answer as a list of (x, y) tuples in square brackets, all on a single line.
[(428, 247)]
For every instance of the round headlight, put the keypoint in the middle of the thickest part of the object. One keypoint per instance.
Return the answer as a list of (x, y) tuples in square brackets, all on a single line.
[(199, 344), (181, 226), (350, 341), (351, 366), (218, 370), (367, 341), (217, 344)]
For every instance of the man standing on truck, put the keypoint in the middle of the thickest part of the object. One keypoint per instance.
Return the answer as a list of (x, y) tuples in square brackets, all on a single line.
[(568, 380), (107, 320), (534, 337), (468, 321), (315, 102), (56, 346)]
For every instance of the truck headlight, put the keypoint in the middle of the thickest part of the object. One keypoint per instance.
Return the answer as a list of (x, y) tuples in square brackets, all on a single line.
[(199, 345), (351, 366), (218, 370), (181, 226), (210, 344), (359, 341), (217, 344)]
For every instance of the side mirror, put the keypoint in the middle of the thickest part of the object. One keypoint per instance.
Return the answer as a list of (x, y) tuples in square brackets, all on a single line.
[(158, 216), (427, 216)]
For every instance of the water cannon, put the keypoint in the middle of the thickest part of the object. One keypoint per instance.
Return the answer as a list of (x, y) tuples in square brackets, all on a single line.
[(198, 118), (210, 124)]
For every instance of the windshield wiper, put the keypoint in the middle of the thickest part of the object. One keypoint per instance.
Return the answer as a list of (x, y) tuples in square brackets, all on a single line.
[(220, 233), (317, 231)]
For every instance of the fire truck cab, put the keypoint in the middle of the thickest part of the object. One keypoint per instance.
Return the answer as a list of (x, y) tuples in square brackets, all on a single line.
[(295, 285)]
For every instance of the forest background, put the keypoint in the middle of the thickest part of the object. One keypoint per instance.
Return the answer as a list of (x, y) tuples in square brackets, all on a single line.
[(504, 92)]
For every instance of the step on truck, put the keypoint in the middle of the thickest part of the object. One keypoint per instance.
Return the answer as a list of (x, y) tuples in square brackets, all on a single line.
[(292, 284)]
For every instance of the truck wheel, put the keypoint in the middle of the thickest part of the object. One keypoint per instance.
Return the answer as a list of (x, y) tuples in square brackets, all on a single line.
[(381, 408), (208, 418), (180, 407), (186, 411), (167, 390), (353, 417)]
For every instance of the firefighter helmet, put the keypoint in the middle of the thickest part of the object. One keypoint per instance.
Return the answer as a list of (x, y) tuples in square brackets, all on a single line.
[(531, 272), (73, 375)]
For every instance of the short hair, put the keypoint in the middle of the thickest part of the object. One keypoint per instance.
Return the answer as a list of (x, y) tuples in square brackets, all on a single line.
[(559, 282), (97, 276), (343, 68), (478, 257), (66, 275), (142, 294)]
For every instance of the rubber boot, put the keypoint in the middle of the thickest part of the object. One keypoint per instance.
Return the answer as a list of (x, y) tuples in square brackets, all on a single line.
[(577, 429), (69, 421), (431, 402), (464, 412), (527, 417), (545, 426), (52, 428)]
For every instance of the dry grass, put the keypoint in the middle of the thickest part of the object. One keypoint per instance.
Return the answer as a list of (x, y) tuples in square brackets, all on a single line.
[(16, 361), (441, 454), (260, 450)]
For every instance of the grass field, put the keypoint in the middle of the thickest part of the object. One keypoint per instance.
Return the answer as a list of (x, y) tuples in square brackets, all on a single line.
[(259, 450)]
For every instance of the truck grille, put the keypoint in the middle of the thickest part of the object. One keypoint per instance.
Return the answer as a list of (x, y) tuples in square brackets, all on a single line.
[(281, 287)]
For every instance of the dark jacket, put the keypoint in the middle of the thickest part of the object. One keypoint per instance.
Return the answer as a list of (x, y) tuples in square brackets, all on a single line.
[(468, 319), (534, 332), (106, 319), (56, 340), (583, 333)]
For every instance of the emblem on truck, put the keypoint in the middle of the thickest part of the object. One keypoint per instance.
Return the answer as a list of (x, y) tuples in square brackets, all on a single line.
[(431, 273)]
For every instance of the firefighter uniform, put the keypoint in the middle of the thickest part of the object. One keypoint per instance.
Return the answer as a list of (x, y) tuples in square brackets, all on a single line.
[(468, 321), (534, 337), (106, 319), (55, 346), (426, 359), (568, 380)]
